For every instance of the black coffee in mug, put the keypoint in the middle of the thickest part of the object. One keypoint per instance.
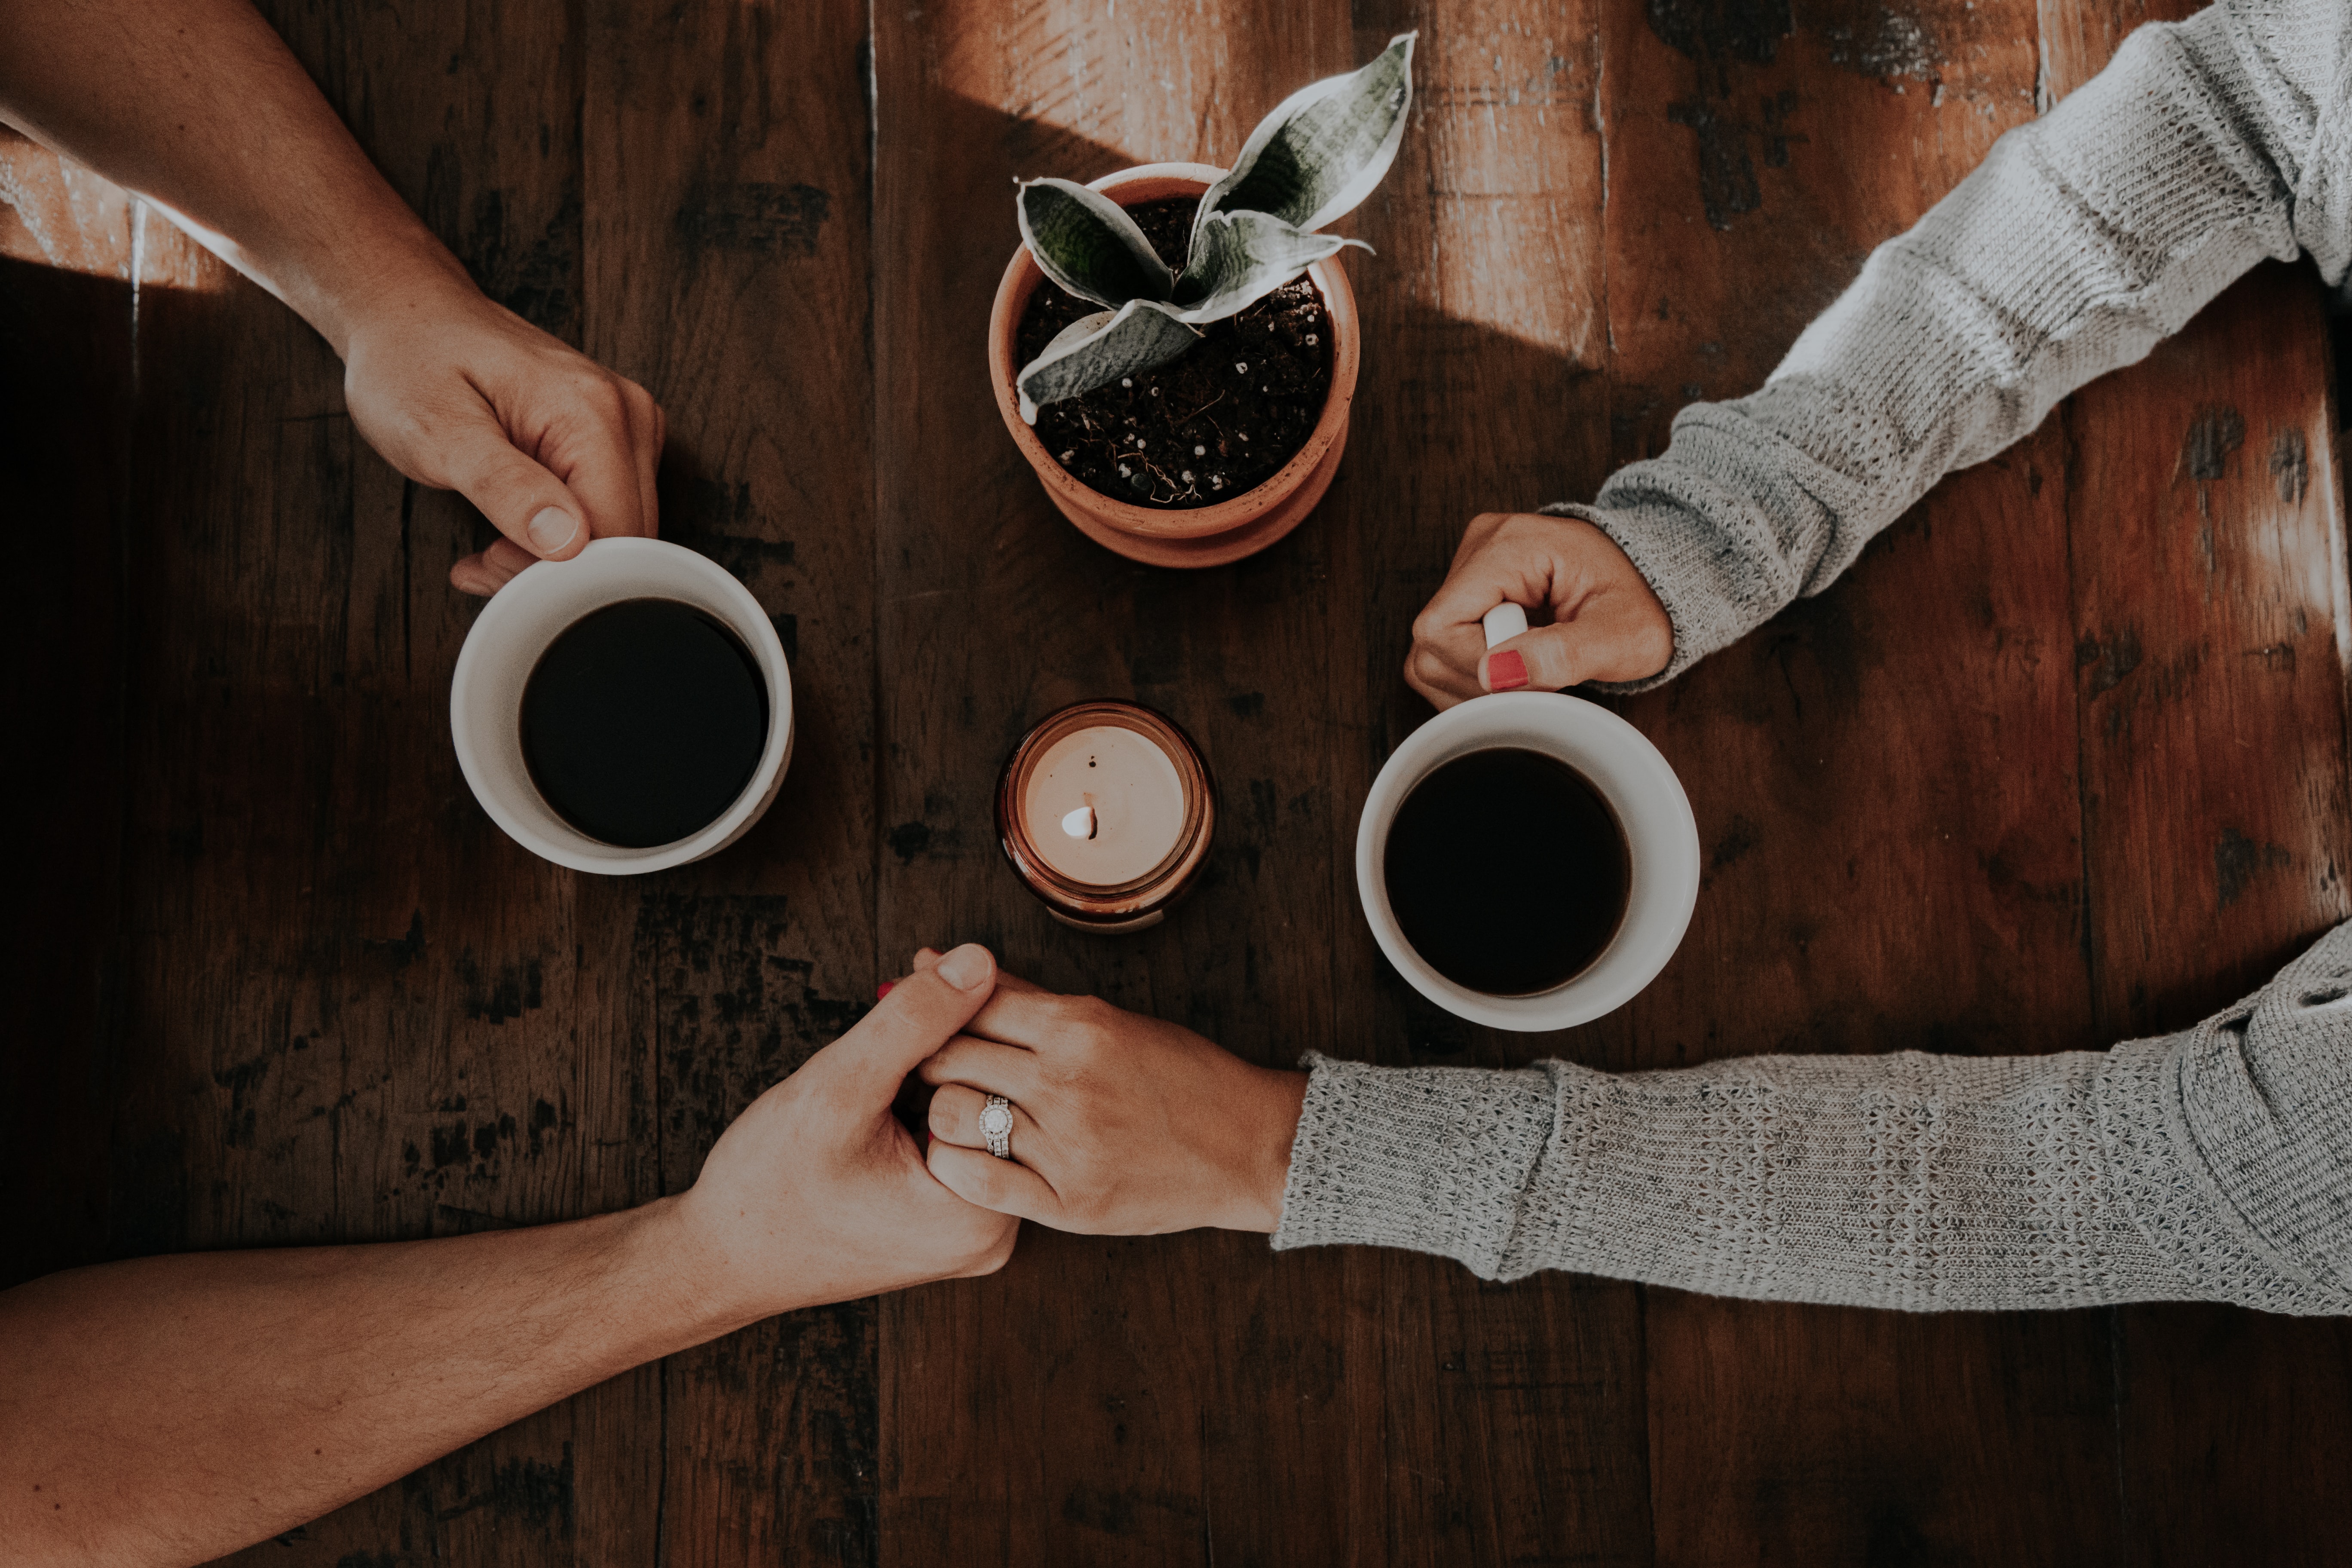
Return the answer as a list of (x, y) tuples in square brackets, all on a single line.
[(1508, 871), (643, 721)]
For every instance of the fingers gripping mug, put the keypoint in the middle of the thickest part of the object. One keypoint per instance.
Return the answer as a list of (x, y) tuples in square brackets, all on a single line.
[(1527, 859)]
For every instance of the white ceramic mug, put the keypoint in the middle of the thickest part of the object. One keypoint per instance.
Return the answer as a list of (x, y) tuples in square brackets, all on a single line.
[(515, 628), (1661, 835)]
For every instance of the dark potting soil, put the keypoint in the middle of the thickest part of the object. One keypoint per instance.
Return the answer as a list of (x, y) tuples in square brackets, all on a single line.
[(1208, 425)]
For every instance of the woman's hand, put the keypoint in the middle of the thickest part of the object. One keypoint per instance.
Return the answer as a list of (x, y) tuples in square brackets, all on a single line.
[(1606, 622), (816, 1193), (461, 394), (1121, 1124)]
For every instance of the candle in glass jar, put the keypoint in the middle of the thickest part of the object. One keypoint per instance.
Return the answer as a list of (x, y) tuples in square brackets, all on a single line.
[(1104, 810), (1105, 806)]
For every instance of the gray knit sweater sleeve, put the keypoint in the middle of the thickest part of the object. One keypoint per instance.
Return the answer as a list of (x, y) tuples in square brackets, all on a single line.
[(2082, 239), (2214, 1164)]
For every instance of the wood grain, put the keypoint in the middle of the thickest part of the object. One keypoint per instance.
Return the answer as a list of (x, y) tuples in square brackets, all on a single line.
[(726, 267), (1509, 1420), (2206, 515), (353, 1010), (2212, 630), (66, 303), (1102, 1400), (1884, 781)]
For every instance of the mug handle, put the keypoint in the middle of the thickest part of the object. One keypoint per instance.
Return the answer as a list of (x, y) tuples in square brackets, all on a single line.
[(1504, 622)]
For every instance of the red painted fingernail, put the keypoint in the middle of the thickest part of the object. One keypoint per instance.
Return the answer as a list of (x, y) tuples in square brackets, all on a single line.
[(884, 989), (1506, 671)]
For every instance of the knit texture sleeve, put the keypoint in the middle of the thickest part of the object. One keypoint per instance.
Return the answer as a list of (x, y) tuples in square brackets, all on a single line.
[(2214, 1164), (2082, 240)]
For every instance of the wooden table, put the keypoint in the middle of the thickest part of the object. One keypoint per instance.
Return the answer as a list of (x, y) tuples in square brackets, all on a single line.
[(2061, 761)]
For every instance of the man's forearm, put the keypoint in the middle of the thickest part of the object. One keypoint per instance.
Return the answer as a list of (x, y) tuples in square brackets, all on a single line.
[(198, 105), (170, 1409)]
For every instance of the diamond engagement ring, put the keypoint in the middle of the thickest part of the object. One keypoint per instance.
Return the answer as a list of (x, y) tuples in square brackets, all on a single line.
[(996, 1126)]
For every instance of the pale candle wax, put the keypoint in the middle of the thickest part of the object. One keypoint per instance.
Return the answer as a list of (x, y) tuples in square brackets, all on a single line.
[(1131, 787)]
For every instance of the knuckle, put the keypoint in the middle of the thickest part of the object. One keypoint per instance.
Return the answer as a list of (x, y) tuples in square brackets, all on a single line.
[(603, 396), (942, 1118), (1076, 1017), (992, 1181), (1092, 1021)]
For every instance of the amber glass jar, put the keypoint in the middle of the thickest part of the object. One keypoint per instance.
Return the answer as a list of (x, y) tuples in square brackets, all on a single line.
[(1106, 810)]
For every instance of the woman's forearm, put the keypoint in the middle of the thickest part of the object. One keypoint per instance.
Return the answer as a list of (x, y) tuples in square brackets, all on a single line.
[(1916, 1181), (171, 1409), (2214, 1164), (2081, 241), (199, 107)]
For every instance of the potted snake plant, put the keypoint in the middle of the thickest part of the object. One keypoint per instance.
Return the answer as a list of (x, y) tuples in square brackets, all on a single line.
[(1174, 347)]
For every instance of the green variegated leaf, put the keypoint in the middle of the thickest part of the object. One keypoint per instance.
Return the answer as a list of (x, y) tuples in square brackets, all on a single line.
[(1240, 258), (1101, 349), (1086, 242), (1324, 148)]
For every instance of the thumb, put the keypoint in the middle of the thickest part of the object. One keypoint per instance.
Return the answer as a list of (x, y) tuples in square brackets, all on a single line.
[(917, 1016), (1618, 632), (522, 500), (1548, 659)]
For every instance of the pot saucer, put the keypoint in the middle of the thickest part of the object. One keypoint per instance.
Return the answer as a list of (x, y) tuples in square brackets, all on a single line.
[(1213, 549)]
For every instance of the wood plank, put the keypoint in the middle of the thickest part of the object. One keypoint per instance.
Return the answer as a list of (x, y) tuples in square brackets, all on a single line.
[(1873, 774), (728, 270), (2211, 636), (2205, 514), (1509, 1420), (352, 1009), (2211, 605), (65, 304), (1102, 1400)]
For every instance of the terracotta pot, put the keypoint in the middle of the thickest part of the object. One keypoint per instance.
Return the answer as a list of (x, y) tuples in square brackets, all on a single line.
[(1202, 536)]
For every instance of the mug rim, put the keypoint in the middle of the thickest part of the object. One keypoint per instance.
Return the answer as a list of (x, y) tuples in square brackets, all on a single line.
[(748, 621), (1643, 787)]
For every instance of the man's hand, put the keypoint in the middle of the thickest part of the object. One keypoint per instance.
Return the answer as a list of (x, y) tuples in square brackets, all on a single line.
[(817, 1193), (459, 394), (1606, 622), (199, 108), (1121, 1124)]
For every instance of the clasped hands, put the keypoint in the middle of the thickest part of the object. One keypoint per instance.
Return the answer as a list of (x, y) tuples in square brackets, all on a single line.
[(1123, 1125)]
